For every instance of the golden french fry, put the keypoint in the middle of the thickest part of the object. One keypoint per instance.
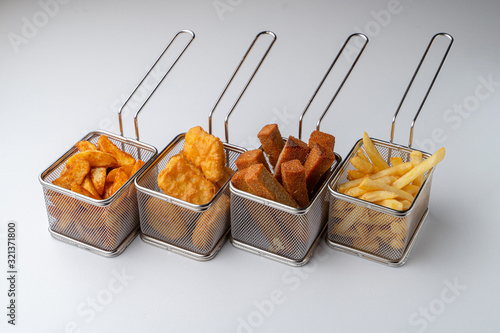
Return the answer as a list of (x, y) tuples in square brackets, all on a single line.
[(361, 154), (411, 189), (355, 174), (123, 158), (406, 204), (350, 184), (396, 161), (374, 185), (378, 196), (356, 192), (361, 164), (89, 186), (420, 169), (417, 158), (96, 159), (98, 177), (390, 203), (373, 153), (73, 174), (85, 145), (397, 170)]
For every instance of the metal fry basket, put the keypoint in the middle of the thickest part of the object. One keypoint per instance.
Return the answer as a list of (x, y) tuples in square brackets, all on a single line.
[(108, 226), (372, 231), (279, 232), (195, 231)]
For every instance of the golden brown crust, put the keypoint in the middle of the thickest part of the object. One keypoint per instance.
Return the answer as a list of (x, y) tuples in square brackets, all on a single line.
[(317, 163), (272, 142), (239, 181), (266, 186), (250, 158), (206, 152), (294, 181), (325, 140), (294, 149), (184, 181)]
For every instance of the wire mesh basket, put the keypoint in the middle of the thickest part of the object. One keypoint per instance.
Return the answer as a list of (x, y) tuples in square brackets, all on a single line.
[(372, 231), (195, 231), (108, 226), (280, 232)]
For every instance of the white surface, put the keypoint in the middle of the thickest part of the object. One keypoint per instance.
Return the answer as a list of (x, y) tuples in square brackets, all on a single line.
[(70, 76)]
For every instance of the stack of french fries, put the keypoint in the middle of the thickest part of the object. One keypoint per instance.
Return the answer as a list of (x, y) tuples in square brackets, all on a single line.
[(393, 185)]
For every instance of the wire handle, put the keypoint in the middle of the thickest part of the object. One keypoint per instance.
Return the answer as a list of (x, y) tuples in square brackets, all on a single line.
[(318, 124), (428, 89), (226, 120), (189, 32)]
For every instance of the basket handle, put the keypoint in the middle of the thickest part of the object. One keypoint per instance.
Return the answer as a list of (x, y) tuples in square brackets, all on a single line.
[(444, 34), (318, 124), (192, 36), (226, 120)]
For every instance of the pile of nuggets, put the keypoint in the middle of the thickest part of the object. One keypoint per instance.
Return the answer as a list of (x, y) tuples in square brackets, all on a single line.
[(198, 171)]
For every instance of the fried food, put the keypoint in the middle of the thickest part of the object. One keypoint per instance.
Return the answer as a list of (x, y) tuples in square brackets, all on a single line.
[(266, 186), (317, 163), (211, 224), (98, 177), (250, 158), (294, 181), (206, 152), (272, 142), (73, 174), (85, 145), (166, 218), (325, 140), (96, 159), (123, 158), (184, 181), (294, 149)]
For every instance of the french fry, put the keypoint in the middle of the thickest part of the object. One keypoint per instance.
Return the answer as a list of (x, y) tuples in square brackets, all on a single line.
[(96, 159), (420, 169), (398, 170), (390, 203), (355, 174), (74, 174), (417, 158), (98, 177), (373, 153), (411, 189), (406, 204), (396, 161), (378, 196), (356, 191), (374, 185), (361, 154), (85, 145), (361, 164), (123, 158)]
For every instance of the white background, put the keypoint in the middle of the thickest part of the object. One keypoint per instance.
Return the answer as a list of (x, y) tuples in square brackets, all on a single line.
[(68, 75)]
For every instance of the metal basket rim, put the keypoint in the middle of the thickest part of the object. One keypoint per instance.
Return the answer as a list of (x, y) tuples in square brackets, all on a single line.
[(170, 199), (73, 149), (370, 205), (285, 208)]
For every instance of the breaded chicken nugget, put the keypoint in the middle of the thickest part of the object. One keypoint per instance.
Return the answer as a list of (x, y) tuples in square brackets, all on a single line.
[(184, 181), (206, 152)]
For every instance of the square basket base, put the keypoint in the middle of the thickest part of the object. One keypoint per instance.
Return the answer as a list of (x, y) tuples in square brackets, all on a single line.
[(378, 259), (109, 254), (266, 254), (189, 254)]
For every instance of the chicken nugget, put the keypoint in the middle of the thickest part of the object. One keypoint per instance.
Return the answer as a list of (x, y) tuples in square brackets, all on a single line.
[(184, 181), (206, 152)]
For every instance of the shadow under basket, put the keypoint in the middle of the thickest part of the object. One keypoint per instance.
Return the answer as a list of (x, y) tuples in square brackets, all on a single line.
[(195, 231), (104, 227), (276, 231), (372, 231)]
